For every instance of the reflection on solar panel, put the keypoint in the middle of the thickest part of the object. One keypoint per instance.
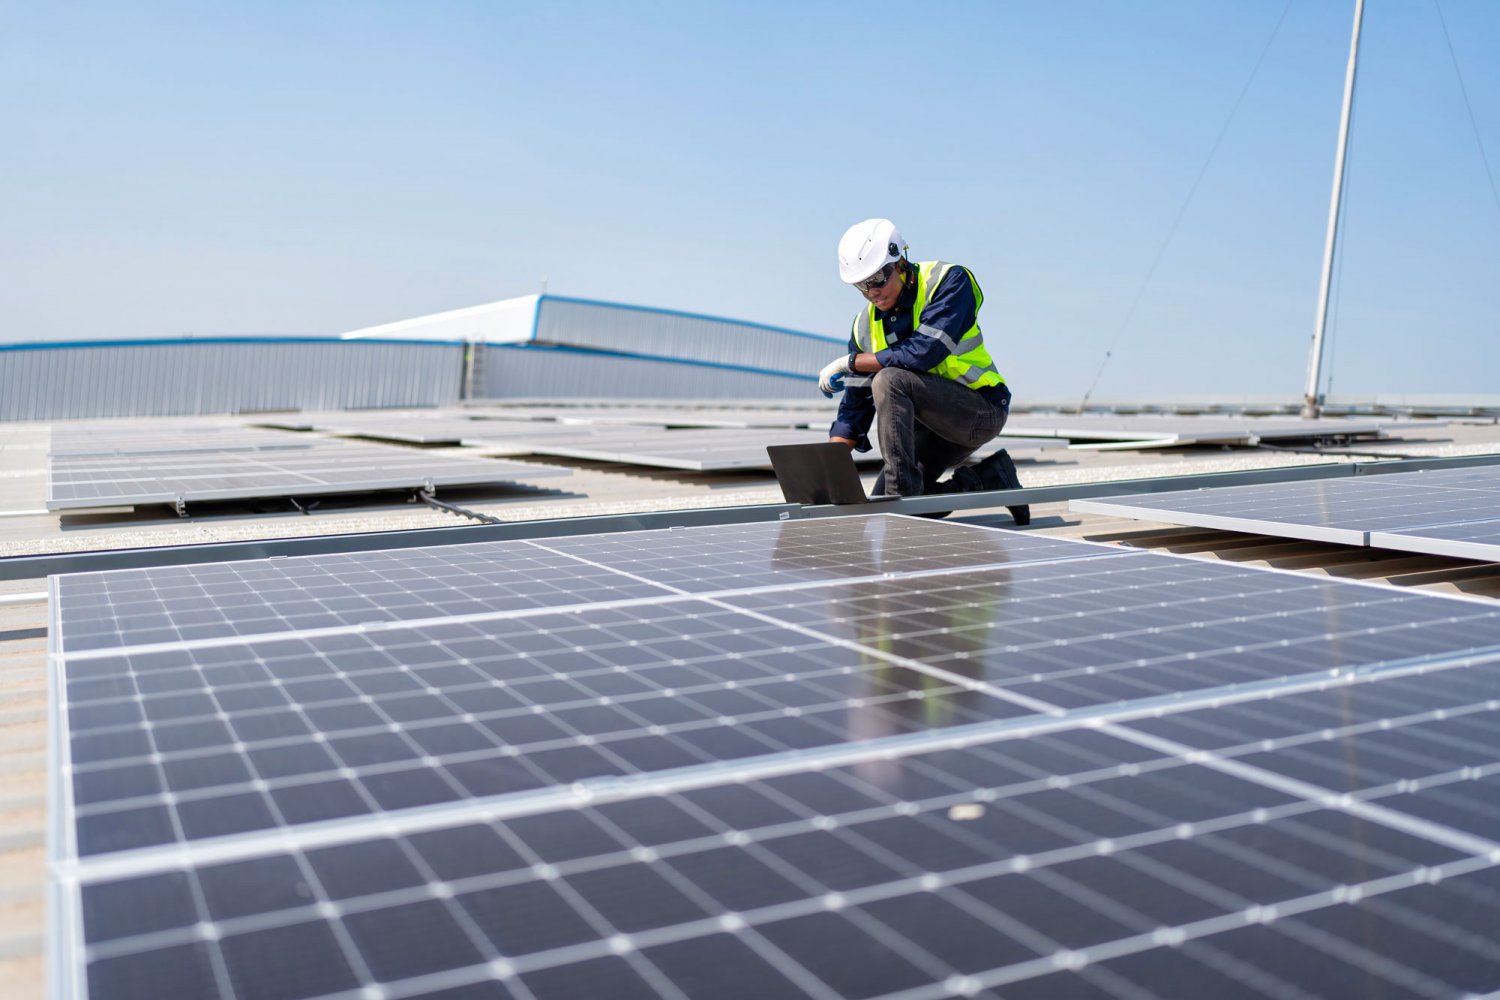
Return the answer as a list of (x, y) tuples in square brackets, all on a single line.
[(1399, 510), (859, 757), (81, 481)]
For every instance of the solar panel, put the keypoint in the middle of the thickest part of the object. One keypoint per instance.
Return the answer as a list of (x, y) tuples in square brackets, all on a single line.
[(82, 481), (1400, 507), (708, 450), (854, 757), (818, 418), (410, 430), (696, 450), (130, 439), (715, 440), (663, 414), (1179, 430), (296, 423), (507, 436), (409, 426)]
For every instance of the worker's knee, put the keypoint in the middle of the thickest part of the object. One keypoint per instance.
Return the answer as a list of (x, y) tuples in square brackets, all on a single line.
[(891, 380)]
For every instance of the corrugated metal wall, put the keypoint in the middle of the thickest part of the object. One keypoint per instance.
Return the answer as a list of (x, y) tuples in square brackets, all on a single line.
[(67, 381), (535, 371), (664, 334)]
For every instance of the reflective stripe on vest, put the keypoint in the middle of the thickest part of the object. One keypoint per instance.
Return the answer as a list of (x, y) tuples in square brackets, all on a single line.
[(968, 362)]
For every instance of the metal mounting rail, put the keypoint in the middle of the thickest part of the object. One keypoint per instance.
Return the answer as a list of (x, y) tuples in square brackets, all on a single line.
[(37, 566)]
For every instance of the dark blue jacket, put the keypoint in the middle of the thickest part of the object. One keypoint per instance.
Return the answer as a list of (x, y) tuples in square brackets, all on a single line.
[(950, 309)]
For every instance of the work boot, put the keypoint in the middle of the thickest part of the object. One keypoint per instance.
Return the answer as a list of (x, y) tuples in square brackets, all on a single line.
[(997, 472)]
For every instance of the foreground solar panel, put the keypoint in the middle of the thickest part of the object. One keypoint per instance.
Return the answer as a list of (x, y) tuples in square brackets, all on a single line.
[(83, 481), (1398, 510), (859, 757)]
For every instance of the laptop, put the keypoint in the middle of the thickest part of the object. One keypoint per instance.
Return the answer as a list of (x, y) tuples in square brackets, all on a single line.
[(818, 473)]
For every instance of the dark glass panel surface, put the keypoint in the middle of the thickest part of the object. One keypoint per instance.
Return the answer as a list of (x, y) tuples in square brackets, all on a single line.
[(179, 971), (134, 906), (411, 940), (526, 918), (287, 963), (262, 885), (363, 869)]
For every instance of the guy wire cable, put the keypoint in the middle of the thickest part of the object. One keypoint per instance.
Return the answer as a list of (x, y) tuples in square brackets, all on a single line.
[(1193, 190), (1464, 91)]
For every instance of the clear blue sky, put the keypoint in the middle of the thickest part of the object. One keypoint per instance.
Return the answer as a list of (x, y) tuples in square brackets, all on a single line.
[(313, 167)]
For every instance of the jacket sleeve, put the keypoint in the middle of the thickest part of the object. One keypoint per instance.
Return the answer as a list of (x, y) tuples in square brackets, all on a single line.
[(947, 316), (856, 409)]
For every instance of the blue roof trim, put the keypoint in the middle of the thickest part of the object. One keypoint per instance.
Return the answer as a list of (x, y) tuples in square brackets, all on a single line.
[(626, 356), (685, 315), (61, 345)]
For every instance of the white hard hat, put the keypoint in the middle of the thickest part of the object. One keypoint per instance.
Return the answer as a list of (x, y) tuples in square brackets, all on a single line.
[(867, 247)]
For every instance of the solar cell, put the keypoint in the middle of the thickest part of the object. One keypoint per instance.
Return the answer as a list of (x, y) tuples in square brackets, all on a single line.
[(875, 756)]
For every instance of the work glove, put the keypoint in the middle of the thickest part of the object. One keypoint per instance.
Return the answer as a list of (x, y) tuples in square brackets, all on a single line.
[(831, 378)]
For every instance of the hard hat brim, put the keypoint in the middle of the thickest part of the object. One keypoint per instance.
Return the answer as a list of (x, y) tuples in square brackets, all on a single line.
[(859, 272)]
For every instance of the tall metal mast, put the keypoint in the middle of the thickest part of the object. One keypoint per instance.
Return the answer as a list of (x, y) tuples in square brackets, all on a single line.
[(1312, 404)]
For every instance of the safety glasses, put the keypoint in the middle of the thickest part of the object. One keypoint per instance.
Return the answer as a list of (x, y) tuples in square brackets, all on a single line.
[(878, 279)]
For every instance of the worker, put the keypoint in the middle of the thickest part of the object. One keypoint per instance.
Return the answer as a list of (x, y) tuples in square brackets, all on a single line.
[(918, 368)]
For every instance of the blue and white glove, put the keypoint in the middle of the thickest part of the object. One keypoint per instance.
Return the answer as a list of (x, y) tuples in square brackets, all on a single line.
[(831, 378)]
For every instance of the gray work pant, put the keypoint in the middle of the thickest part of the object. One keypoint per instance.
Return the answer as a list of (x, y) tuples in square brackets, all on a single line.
[(927, 424)]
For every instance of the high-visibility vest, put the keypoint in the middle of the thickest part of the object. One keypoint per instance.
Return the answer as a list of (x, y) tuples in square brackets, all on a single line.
[(967, 363)]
